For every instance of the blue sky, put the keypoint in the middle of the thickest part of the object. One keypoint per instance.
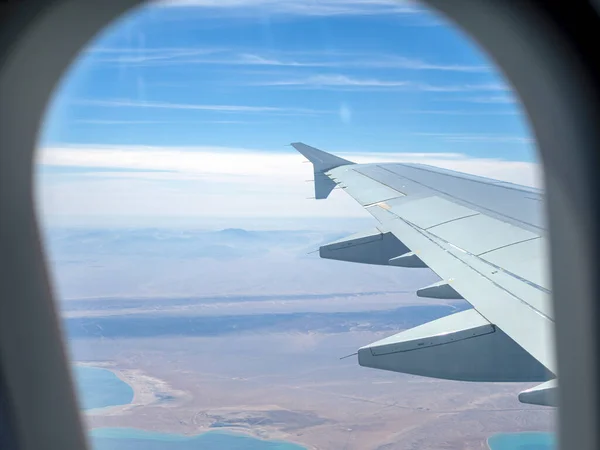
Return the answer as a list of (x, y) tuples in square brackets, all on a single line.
[(174, 93)]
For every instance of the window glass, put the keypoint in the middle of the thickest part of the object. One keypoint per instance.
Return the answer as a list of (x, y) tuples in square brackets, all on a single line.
[(184, 236)]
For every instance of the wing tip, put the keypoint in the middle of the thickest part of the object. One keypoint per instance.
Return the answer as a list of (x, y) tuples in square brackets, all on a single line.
[(322, 162)]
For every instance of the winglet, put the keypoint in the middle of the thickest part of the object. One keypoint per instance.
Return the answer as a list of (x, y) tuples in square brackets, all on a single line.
[(322, 162)]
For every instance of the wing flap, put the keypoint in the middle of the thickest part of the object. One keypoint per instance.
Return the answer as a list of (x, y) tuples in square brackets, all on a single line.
[(408, 260), (545, 394), (462, 346), (369, 247), (441, 289)]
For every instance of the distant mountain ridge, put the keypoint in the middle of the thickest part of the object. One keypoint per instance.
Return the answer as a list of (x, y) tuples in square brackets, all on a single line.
[(178, 243)]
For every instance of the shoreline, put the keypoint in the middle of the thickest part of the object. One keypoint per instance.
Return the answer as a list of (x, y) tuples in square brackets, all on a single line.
[(145, 388), (180, 436), (241, 432)]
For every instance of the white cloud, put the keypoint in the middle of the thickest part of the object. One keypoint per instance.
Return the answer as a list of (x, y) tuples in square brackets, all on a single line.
[(199, 161), (240, 163), (214, 182), (198, 107)]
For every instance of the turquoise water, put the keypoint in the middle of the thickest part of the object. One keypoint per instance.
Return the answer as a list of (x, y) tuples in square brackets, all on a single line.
[(522, 441), (98, 388), (134, 439)]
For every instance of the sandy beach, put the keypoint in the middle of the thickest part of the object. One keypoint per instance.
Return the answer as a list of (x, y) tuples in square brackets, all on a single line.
[(147, 390)]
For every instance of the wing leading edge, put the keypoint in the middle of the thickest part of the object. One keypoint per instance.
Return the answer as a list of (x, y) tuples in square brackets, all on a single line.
[(485, 239)]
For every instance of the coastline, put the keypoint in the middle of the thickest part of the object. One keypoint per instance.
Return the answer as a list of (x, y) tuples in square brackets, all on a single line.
[(113, 432), (145, 389)]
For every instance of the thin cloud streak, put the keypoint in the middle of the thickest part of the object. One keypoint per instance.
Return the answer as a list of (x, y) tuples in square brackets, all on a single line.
[(344, 81), (490, 138), (199, 107), (176, 57), (460, 88), (144, 49), (121, 122), (458, 112), (295, 8), (144, 55), (492, 99), (155, 122), (334, 80), (417, 64)]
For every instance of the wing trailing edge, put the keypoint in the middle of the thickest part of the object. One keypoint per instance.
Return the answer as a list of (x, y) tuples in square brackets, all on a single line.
[(372, 246), (463, 346)]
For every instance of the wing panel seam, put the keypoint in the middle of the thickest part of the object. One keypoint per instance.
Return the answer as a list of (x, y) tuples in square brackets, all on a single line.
[(380, 182), (464, 201), (380, 201), (512, 294), (452, 220), (492, 181), (508, 245), (490, 324)]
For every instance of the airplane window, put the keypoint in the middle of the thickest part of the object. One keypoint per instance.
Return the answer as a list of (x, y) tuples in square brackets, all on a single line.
[(380, 283)]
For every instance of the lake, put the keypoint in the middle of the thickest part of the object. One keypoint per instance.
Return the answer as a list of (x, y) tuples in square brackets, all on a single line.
[(522, 441), (99, 388)]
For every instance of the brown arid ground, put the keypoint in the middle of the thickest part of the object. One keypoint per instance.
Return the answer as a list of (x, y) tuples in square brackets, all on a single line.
[(294, 387)]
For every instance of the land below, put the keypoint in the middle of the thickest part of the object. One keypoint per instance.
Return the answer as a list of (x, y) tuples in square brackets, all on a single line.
[(293, 386), (244, 331)]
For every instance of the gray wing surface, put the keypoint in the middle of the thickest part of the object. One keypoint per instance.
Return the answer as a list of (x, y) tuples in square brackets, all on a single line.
[(485, 239)]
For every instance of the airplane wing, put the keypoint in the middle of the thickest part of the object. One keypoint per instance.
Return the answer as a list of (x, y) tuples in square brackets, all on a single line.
[(485, 239)]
